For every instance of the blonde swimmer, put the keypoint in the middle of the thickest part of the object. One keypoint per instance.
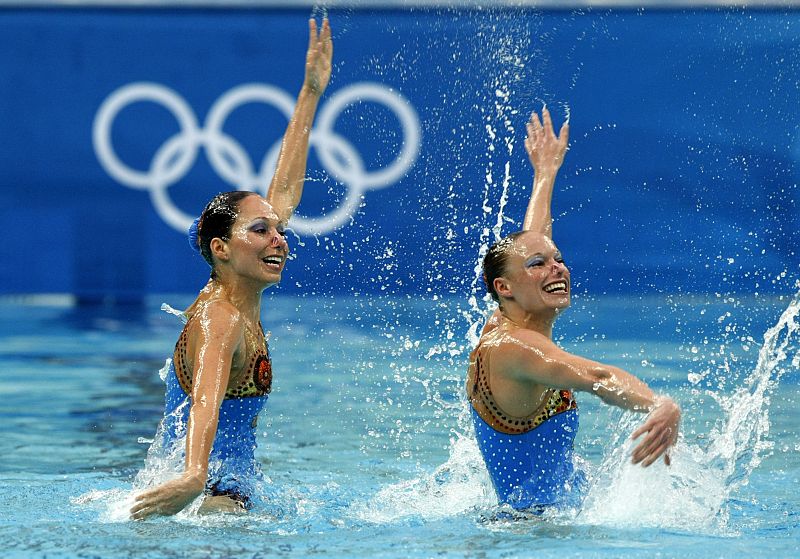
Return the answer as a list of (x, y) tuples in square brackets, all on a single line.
[(520, 384)]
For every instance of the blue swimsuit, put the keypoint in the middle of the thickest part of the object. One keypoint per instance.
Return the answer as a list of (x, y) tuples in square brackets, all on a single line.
[(530, 459), (232, 467)]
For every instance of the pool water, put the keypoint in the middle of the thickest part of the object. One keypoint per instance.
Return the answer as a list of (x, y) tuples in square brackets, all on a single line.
[(365, 439)]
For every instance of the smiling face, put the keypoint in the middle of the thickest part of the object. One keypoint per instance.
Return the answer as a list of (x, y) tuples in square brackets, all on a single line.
[(535, 276), (257, 248)]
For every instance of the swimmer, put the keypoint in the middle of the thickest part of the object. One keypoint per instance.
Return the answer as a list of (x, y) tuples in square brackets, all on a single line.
[(221, 372), (520, 384)]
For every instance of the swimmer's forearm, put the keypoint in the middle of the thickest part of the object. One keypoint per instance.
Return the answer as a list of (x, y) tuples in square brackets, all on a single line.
[(173, 496), (538, 216), (546, 153), (220, 333), (619, 388), (286, 188), (208, 392), (201, 431)]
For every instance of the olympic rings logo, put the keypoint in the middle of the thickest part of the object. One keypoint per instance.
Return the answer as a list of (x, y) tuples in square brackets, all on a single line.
[(176, 156)]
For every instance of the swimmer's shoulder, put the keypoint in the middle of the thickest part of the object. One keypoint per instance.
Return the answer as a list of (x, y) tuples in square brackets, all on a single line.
[(498, 332), (513, 352), (216, 316), (206, 294), (492, 323), (218, 308)]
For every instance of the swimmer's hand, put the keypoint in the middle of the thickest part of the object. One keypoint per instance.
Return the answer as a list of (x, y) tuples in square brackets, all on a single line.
[(545, 149), (661, 427), (168, 498), (318, 57)]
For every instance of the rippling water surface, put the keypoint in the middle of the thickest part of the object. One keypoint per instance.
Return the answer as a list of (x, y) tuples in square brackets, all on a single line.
[(365, 440)]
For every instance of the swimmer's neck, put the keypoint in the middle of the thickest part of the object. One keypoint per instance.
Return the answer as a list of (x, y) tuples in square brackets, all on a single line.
[(541, 323)]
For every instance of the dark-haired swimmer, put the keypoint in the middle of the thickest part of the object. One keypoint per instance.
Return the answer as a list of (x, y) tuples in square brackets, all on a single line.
[(520, 383), (221, 371)]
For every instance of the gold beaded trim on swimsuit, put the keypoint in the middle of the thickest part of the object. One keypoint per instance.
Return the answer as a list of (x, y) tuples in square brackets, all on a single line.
[(484, 403), (257, 383)]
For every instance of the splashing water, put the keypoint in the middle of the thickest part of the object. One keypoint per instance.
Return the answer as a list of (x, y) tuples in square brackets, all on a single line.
[(693, 494), (460, 484), (162, 464)]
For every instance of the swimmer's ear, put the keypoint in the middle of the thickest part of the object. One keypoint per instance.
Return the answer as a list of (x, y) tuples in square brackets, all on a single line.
[(502, 287), (219, 249)]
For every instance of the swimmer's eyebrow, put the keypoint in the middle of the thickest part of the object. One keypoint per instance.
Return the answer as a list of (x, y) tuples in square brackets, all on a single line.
[(267, 219)]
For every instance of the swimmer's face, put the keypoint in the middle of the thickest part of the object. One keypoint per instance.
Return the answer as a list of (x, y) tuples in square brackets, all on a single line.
[(257, 248), (535, 277)]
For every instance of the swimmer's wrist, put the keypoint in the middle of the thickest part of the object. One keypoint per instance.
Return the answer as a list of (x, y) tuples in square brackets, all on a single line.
[(658, 401), (661, 401), (544, 173), (195, 479)]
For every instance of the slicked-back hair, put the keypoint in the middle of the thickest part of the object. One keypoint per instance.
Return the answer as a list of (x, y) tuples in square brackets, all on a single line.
[(217, 220), (495, 261)]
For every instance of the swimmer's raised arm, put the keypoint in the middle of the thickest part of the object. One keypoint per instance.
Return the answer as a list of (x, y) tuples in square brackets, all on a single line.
[(221, 332), (530, 356), (286, 187), (546, 153)]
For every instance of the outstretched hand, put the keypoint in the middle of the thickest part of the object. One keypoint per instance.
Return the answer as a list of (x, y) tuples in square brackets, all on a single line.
[(318, 57), (545, 149), (662, 433)]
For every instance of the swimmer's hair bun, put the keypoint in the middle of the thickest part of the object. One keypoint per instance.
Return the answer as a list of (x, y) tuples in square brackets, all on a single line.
[(194, 238)]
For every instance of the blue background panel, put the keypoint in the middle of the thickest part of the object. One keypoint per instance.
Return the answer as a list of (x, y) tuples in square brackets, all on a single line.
[(682, 174)]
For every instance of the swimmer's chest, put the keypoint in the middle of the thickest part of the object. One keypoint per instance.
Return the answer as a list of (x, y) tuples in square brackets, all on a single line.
[(507, 404), (251, 365)]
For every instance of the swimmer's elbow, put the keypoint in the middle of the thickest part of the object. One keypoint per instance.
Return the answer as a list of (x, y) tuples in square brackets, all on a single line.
[(599, 379)]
